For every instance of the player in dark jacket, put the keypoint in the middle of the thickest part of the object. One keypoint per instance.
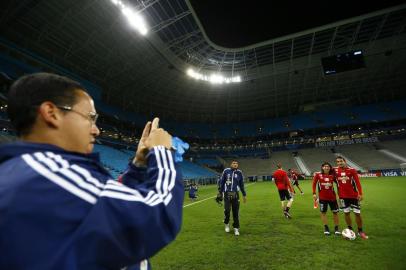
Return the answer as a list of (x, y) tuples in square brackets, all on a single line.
[(59, 208), (230, 183), (193, 192)]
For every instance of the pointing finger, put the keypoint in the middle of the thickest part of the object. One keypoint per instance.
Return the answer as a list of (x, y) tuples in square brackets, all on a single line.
[(147, 129), (155, 123)]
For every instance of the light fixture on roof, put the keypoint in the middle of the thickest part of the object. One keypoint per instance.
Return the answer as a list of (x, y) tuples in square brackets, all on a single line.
[(214, 78), (134, 18)]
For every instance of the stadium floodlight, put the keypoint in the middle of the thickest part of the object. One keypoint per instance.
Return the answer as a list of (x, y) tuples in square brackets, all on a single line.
[(134, 18), (214, 78)]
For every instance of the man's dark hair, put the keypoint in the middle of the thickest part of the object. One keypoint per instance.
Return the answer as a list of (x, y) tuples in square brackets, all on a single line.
[(30, 91), (331, 171), (279, 165), (340, 157)]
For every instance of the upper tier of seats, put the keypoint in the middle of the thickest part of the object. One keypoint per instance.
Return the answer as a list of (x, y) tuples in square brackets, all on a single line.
[(331, 117)]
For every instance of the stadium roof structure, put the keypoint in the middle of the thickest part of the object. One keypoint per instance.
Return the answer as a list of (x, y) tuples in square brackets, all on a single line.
[(147, 74)]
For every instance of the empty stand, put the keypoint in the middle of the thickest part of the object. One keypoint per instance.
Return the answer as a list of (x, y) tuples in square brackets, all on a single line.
[(314, 157), (194, 171), (397, 147), (5, 137), (285, 158), (367, 156), (116, 162), (254, 166)]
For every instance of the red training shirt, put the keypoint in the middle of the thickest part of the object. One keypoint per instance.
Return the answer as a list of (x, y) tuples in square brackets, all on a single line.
[(281, 179), (349, 186), (325, 186)]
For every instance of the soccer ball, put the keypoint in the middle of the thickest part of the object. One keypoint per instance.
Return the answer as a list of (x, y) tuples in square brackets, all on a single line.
[(348, 234)]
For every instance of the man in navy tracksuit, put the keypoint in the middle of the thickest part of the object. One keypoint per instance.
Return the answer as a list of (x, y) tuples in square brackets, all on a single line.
[(193, 192), (230, 183), (59, 208)]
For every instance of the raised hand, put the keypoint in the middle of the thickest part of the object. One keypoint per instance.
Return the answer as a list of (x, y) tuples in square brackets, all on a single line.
[(151, 136), (158, 136), (142, 150)]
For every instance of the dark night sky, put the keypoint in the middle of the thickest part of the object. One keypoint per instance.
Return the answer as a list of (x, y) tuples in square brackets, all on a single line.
[(240, 23)]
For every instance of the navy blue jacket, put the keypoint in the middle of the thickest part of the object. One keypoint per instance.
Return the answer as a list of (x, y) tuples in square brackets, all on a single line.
[(232, 180), (192, 191), (62, 210)]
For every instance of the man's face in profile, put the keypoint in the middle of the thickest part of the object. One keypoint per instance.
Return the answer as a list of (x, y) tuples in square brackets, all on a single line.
[(78, 129)]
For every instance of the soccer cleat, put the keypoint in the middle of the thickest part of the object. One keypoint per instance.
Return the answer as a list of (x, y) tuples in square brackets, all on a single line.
[(327, 233), (236, 232), (227, 228), (301, 193), (287, 215), (363, 235), (337, 233)]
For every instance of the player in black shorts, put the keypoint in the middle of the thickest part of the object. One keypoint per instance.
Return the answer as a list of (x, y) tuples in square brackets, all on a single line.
[(284, 195), (324, 182), (283, 185), (294, 176)]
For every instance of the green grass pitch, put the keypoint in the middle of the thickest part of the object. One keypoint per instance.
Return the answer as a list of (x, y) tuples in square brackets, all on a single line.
[(269, 241)]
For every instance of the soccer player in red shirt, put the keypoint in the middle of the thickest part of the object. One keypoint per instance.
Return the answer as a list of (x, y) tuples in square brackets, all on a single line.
[(294, 176), (283, 184), (324, 181), (350, 193)]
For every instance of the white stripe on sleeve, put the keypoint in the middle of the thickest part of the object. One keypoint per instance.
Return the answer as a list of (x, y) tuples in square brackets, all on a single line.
[(160, 172), (166, 170), (80, 182), (173, 170), (65, 172), (40, 169)]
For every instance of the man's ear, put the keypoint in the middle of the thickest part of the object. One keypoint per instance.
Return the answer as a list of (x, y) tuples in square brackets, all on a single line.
[(50, 114)]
